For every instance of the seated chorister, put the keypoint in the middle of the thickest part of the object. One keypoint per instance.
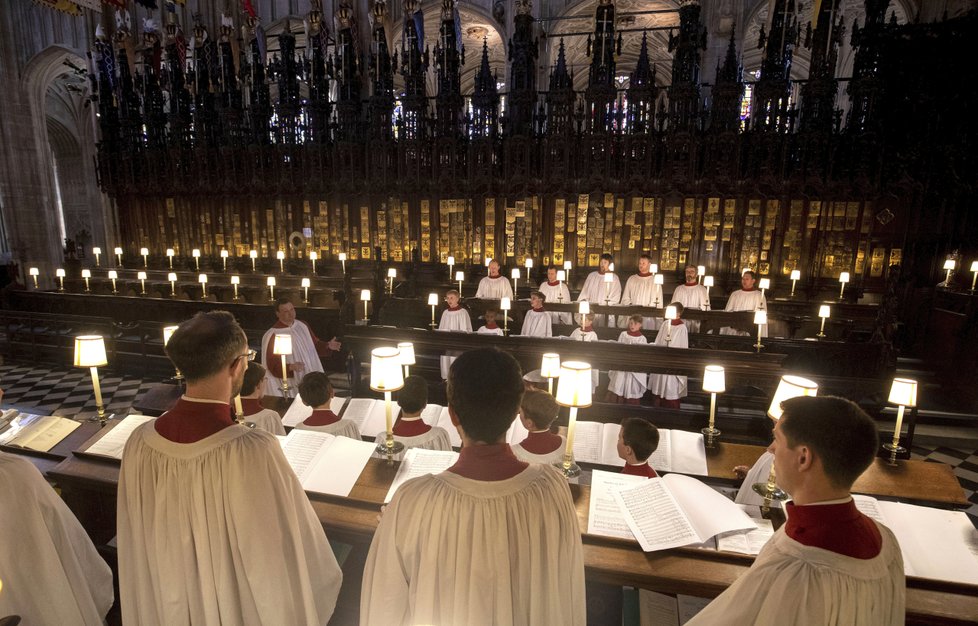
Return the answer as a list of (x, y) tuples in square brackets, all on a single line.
[(409, 428), (316, 391), (537, 414), (586, 331), (637, 440), (490, 327), (628, 387), (537, 322), (251, 408)]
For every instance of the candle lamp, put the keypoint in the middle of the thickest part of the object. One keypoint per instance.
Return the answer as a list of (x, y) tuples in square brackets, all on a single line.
[(313, 257), (550, 369), (282, 346), (824, 311), (505, 306), (573, 391), (224, 260), (202, 279), (118, 255), (795, 275), (60, 273), (744, 270), (561, 277), (433, 302), (583, 309), (386, 377), (974, 271), (608, 279), (671, 314), (460, 276), (903, 393), (342, 257), (365, 298), (172, 277), (87, 274), (113, 275), (144, 252), (528, 264), (169, 256), (451, 264), (567, 268), (270, 281), (90, 353), (34, 272), (488, 260), (700, 271), (764, 284), (98, 254), (306, 283), (949, 265), (658, 280), (391, 275), (406, 348), (611, 267), (714, 382), (843, 279), (280, 255), (167, 333), (707, 282), (141, 276), (254, 256), (654, 268), (760, 318), (515, 274), (788, 387), (235, 281)]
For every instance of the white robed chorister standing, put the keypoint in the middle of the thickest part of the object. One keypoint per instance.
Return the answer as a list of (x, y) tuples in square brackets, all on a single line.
[(595, 292), (745, 300), (455, 319), (641, 290), (628, 385), (558, 292), (670, 386), (693, 297), (494, 288)]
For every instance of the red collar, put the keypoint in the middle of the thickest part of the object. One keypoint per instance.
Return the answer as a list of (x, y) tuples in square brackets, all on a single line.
[(838, 528), (409, 428), (587, 329), (751, 289), (553, 284), (645, 275), (637, 333), (495, 277), (639, 470), (488, 462), (250, 406), (536, 310), (543, 442), (602, 272), (692, 284), (454, 308), (492, 326), (677, 322), (189, 422), (279, 324), (321, 417)]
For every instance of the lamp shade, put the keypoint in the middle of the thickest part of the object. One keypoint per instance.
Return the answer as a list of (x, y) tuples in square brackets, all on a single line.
[(795, 274), (90, 351), (172, 276), (790, 387), (825, 311), (280, 255), (904, 392), (584, 307), (202, 278), (253, 254), (235, 280), (167, 333), (949, 264), (143, 251), (505, 304), (654, 267), (169, 252), (385, 369), (764, 283), (671, 312), (432, 299), (760, 316), (568, 265), (561, 275), (459, 276), (141, 275), (34, 271), (450, 260), (392, 273), (365, 295), (744, 270), (313, 255), (96, 250), (117, 251), (60, 273), (113, 274), (224, 254), (659, 279), (611, 267), (707, 281), (195, 253), (609, 277), (515, 273), (714, 380), (488, 261), (574, 388), (86, 273), (270, 281), (342, 256), (844, 277), (528, 263), (406, 349), (974, 266), (306, 282), (550, 365), (282, 344), (701, 269)]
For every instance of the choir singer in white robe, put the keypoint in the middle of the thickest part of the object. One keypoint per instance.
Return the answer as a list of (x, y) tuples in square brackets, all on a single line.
[(454, 318), (556, 291), (595, 291), (536, 322), (641, 290), (693, 296), (494, 286), (747, 298), (50, 570), (307, 349), (492, 540), (669, 389), (251, 408), (213, 525), (829, 563)]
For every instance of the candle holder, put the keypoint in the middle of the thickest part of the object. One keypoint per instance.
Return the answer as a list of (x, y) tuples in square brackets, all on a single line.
[(528, 264), (224, 267), (282, 346), (313, 257), (764, 284), (567, 269), (34, 273), (561, 277), (90, 353), (280, 255), (169, 256), (823, 312), (505, 305), (583, 309), (172, 277), (141, 276), (573, 391), (608, 279), (306, 283), (386, 377), (974, 272), (342, 258), (550, 369), (788, 387), (196, 254), (270, 282), (144, 252), (671, 314), (254, 258), (700, 271), (391, 275), (118, 255), (113, 276), (451, 265), (714, 382), (795, 275), (760, 318), (460, 276), (515, 275), (406, 348), (60, 273), (903, 393), (98, 254), (202, 279), (167, 333), (365, 298), (235, 281), (657, 280), (843, 279), (707, 282), (433, 302), (87, 274), (949, 265)]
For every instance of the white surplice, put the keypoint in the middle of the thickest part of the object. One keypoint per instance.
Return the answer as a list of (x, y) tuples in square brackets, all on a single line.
[(536, 324), (303, 351), (267, 420), (50, 570), (458, 321), (641, 291), (434, 439), (490, 331), (494, 288), (628, 384), (342, 428), (741, 300), (692, 297), (790, 583), (546, 459), (595, 292), (219, 532), (560, 294), (670, 386), (453, 550)]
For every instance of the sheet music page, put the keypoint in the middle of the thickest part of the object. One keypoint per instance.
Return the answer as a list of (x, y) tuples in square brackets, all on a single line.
[(302, 447), (609, 445), (337, 470), (935, 542), (336, 404), (708, 511), (657, 609), (46, 433), (357, 410), (115, 440), (517, 432), (445, 421), (654, 516), (689, 606), (747, 541), (376, 420), (688, 453), (870, 507), (588, 442), (604, 517), (661, 459), (297, 412), (431, 413), (418, 462)]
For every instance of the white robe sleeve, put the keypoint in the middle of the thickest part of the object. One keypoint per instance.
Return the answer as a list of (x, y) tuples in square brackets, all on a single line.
[(342, 428), (267, 420)]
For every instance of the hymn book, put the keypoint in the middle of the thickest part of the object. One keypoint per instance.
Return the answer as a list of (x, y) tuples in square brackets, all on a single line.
[(747, 541), (325, 463), (678, 451), (418, 462), (937, 544), (113, 441), (37, 432), (677, 510), (298, 411)]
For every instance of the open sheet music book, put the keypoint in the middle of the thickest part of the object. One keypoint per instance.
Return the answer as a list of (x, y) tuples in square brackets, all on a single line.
[(418, 462), (937, 544), (747, 541), (677, 510), (37, 432), (298, 411), (678, 451), (325, 463), (114, 441)]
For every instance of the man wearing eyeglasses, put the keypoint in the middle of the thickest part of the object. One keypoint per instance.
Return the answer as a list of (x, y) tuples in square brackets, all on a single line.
[(213, 526), (307, 349)]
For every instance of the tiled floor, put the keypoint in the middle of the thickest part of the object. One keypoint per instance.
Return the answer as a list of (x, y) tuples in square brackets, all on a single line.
[(68, 393)]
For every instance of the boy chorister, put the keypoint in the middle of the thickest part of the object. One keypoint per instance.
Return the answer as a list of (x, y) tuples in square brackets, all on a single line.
[(453, 318), (628, 387), (537, 322)]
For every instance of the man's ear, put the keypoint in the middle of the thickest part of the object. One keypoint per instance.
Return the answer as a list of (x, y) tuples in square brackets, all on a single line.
[(805, 457)]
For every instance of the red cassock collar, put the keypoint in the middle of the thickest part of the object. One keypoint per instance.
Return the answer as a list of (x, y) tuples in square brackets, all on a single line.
[(189, 422), (454, 308), (410, 428), (639, 470), (488, 462), (838, 528), (543, 442), (645, 275), (676, 322), (321, 417), (637, 333), (553, 284)]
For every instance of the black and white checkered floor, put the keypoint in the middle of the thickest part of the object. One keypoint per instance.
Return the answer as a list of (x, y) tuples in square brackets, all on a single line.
[(68, 393)]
